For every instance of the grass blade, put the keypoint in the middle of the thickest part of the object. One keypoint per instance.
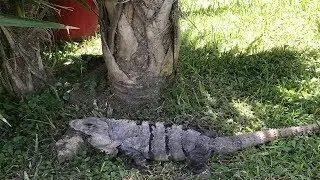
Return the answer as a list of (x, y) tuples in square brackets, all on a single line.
[(4, 120)]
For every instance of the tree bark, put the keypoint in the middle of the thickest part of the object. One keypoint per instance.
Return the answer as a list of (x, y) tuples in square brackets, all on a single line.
[(140, 41)]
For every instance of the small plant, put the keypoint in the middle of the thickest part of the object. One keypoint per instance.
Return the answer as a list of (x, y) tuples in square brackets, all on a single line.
[(22, 30)]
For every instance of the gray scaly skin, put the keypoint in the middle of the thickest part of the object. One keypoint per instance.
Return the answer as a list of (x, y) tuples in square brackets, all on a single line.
[(158, 142)]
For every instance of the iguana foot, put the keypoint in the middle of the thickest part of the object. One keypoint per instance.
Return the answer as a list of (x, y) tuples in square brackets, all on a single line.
[(204, 175), (198, 159)]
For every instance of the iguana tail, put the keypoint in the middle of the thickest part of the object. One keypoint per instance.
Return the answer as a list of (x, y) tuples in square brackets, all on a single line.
[(234, 143)]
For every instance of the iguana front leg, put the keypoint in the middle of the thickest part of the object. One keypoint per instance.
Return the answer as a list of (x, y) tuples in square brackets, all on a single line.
[(105, 144), (138, 157)]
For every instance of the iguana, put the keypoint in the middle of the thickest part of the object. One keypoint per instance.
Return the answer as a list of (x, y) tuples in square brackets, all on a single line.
[(145, 140)]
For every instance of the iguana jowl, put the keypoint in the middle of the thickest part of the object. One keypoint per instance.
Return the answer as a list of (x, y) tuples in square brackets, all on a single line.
[(145, 140)]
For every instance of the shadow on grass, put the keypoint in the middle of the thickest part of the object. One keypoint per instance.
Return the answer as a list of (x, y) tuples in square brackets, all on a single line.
[(230, 92), (235, 92)]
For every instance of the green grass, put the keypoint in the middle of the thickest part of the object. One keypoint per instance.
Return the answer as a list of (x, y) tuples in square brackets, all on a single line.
[(244, 66)]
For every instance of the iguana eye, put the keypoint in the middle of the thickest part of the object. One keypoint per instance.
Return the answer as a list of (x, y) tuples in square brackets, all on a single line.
[(88, 124)]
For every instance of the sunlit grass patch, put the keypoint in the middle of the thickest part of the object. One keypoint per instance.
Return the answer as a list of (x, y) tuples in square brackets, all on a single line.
[(66, 53), (252, 26), (91, 46)]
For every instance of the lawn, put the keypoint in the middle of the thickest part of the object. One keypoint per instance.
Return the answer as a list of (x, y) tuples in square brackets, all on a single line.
[(245, 65)]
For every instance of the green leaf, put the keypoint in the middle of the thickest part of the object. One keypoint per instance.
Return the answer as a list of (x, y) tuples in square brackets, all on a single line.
[(84, 4), (25, 22)]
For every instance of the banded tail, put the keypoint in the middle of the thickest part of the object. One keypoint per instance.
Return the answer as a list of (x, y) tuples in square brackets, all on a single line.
[(235, 143)]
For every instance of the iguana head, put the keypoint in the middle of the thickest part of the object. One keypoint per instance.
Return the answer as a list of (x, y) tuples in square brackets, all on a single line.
[(89, 126), (98, 131)]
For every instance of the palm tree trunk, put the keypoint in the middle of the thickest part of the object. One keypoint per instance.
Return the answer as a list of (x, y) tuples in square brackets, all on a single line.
[(140, 41)]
